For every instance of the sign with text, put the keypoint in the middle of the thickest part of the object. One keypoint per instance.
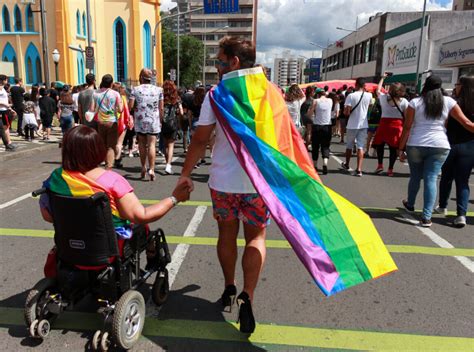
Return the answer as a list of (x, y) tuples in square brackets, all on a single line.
[(89, 51), (221, 6), (402, 54), (457, 52), (90, 63)]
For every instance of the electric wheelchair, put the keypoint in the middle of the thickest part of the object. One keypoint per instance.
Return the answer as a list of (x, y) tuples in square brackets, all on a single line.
[(89, 259)]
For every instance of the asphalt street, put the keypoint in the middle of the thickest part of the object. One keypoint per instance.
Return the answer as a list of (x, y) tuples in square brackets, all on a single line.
[(427, 305)]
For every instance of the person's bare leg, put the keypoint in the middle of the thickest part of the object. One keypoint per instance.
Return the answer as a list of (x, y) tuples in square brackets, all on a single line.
[(169, 150), (254, 257), (142, 141), (119, 147), (227, 249), (151, 142), (7, 134), (360, 158), (109, 159), (348, 156)]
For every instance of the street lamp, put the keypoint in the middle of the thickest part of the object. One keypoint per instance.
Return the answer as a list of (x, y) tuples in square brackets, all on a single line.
[(204, 56), (56, 57)]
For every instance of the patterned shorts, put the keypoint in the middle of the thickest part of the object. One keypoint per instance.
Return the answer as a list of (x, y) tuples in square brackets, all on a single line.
[(248, 207)]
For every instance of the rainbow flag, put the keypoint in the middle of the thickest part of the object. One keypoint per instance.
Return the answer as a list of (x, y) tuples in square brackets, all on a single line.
[(336, 241), (76, 184)]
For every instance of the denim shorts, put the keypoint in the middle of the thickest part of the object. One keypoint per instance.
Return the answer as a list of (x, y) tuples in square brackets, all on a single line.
[(358, 137)]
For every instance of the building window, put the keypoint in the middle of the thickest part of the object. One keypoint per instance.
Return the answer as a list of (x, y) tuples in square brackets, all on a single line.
[(17, 14), (373, 48), (6, 19), (120, 50), (84, 24), (80, 68), (9, 55), (147, 45), (33, 65), (30, 21), (78, 23)]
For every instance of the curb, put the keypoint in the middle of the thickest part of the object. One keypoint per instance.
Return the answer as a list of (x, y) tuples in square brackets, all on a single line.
[(6, 156)]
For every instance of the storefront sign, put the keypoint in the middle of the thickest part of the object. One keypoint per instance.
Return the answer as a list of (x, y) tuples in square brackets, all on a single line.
[(445, 75), (457, 52), (402, 54)]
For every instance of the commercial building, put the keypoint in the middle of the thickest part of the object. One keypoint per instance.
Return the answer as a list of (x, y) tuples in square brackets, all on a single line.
[(121, 35), (210, 28), (312, 70), (461, 5), (371, 49), (288, 70)]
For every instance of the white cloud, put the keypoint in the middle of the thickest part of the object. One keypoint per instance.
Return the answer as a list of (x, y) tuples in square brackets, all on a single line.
[(167, 4)]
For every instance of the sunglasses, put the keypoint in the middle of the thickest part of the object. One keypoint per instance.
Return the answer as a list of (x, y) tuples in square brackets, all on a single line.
[(222, 63)]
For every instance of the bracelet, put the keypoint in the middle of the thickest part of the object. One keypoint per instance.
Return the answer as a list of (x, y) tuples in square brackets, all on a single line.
[(174, 200)]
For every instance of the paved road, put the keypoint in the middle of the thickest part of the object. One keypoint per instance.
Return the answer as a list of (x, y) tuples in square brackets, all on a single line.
[(427, 305)]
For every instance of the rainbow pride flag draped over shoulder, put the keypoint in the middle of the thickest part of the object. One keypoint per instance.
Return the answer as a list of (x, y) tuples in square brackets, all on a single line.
[(335, 240), (76, 184)]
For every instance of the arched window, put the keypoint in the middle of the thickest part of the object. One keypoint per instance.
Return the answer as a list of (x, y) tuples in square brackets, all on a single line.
[(80, 68), (9, 55), (147, 45), (84, 24), (6, 19), (78, 23), (30, 21), (18, 25), (33, 65), (120, 49)]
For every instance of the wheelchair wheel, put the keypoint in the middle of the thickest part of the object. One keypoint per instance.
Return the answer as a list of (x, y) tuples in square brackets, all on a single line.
[(161, 288), (129, 318), (38, 295)]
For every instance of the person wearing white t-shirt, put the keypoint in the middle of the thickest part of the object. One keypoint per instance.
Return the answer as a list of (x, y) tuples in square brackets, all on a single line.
[(4, 115), (426, 141), (356, 107), (322, 128), (234, 198)]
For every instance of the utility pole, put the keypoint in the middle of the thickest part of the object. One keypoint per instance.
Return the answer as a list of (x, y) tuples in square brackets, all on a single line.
[(89, 25), (44, 38), (418, 83)]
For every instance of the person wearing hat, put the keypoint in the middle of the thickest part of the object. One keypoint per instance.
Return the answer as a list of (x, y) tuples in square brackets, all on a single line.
[(426, 142), (147, 101)]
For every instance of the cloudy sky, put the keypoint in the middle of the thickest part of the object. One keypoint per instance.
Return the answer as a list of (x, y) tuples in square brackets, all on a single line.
[(292, 24)]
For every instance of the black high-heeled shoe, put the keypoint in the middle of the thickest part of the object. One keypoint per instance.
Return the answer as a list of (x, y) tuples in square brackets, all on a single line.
[(246, 318), (228, 297)]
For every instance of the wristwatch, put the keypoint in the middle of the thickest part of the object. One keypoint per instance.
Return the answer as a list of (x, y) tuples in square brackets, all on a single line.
[(174, 200)]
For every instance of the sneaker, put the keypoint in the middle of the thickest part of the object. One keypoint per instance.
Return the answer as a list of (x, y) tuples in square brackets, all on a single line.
[(425, 222), (459, 221), (378, 170), (344, 166), (358, 173), (442, 211), (246, 318), (168, 169), (409, 208), (10, 147), (390, 173), (325, 170)]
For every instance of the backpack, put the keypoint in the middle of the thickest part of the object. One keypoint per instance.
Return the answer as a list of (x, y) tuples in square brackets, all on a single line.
[(170, 120)]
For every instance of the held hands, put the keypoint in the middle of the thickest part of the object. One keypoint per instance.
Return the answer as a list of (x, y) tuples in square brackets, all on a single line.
[(183, 189), (402, 155)]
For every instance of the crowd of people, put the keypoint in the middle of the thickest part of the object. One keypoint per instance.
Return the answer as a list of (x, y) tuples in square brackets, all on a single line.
[(433, 131)]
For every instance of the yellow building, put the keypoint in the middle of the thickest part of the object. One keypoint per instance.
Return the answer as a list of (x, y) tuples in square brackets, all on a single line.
[(121, 33)]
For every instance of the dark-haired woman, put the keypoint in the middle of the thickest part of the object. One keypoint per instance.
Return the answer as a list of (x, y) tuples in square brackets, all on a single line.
[(460, 162), (390, 129), (306, 120), (427, 146), (82, 152), (169, 123)]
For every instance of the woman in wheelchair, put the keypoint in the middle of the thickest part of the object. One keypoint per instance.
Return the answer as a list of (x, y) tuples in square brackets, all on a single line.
[(96, 217)]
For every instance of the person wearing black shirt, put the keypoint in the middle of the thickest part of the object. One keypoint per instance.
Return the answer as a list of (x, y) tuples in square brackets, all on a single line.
[(460, 162), (47, 107), (16, 93)]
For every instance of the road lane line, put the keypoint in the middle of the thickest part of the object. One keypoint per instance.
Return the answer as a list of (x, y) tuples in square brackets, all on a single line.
[(16, 200), (182, 249), (271, 244), (265, 333), (440, 241)]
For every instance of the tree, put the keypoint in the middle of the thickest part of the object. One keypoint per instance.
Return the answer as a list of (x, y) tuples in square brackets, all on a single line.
[(191, 57)]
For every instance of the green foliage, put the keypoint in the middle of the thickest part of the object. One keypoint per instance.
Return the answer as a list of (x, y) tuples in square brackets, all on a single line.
[(191, 57)]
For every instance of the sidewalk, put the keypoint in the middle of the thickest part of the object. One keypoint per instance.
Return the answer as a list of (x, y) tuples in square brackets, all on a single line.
[(25, 148)]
